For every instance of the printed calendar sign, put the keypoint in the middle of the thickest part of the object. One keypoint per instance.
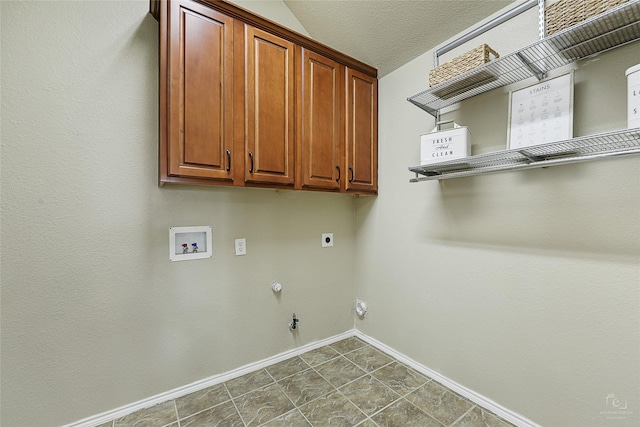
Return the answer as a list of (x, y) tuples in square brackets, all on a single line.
[(633, 86), (541, 113)]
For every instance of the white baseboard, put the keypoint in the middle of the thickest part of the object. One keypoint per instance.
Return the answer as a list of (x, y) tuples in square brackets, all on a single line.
[(483, 401), (104, 417), (486, 403)]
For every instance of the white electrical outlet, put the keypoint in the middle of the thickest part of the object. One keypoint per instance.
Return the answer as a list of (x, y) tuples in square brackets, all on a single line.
[(241, 247), (327, 240)]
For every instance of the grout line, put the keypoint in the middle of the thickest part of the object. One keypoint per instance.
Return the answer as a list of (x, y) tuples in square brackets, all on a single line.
[(334, 388), (273, 381), (404, 396), (316, 398), (268, 373), (340, 354), (295, 407), (384, 407), (205, 409), (233, 402), (356, 406), (483, 402), (463, 415), (350, 362), (175, 409), (304, 416), (295, 373)]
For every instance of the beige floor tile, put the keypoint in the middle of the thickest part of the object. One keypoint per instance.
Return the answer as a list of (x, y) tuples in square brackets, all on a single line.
[(437, 401), (249, 382), (320, 355), (369, 394), (223, 415), (263, 405), (332, 410), (347, 345), (290, 419), (201, 400), (368, 358), (400, 378), (287, 367), (345, 384), (340, 371), (305, 386)]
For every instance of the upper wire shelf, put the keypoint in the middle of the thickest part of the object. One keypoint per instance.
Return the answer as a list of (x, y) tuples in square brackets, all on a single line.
[(617, 143), (610, 29)]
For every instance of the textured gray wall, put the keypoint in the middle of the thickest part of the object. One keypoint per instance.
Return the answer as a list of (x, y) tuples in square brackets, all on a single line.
[(94, 316)]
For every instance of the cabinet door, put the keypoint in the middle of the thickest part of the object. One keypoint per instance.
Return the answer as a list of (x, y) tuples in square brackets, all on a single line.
[(200, 119), (321, 137), (362, 132), (270, 108)]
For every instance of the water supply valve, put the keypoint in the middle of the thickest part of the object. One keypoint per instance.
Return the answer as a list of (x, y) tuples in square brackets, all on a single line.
[(294, 322)]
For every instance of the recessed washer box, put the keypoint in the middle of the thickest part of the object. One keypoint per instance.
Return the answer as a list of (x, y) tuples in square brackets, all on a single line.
[(187, 243)]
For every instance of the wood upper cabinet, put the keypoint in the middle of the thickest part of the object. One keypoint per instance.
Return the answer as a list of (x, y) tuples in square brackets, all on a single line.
[(320, 149), (199, 112), (361, 132), (270, 108), (246, 102)]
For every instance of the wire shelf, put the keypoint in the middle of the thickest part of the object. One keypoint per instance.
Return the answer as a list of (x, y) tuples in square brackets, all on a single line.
[(616, 27), (622, 142)]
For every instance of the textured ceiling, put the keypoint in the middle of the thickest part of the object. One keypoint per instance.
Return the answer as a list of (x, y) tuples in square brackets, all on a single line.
[(389, 33)]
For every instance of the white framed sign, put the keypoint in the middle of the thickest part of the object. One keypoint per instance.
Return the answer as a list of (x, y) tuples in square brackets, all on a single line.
[(541, 113)]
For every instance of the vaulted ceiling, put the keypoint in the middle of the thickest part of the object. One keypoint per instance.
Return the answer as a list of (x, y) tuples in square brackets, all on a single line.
[(389, 33)]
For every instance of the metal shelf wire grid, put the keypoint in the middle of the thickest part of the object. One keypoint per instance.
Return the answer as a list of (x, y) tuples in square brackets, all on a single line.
[(591, 147), (613, 28)]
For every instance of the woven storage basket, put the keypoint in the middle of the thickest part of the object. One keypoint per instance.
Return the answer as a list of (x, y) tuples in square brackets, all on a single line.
[(566, 13), (461, 64)]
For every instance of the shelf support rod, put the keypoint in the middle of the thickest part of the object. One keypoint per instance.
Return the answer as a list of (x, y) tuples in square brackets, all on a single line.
[(483, 28), (541, 23)]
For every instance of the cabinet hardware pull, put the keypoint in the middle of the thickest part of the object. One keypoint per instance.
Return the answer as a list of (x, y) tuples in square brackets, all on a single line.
[(338, 178), (251, 157), (352, 176), (228, 160)]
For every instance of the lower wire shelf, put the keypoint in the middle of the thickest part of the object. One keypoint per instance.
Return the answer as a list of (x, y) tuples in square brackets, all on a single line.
[(581, 149)]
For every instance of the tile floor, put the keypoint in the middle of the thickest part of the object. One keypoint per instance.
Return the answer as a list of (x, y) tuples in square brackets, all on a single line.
[(348, 383)]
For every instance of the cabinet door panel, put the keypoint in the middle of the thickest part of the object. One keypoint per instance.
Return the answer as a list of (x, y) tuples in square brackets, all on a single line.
[(362, 132), (270, 112), (200, 124), (321, 139)]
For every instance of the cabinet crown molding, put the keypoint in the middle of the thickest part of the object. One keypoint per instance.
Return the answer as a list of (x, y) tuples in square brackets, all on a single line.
[(272, 27)]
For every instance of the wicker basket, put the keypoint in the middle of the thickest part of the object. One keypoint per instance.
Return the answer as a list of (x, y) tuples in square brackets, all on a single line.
[(566, 13), (461, 64)]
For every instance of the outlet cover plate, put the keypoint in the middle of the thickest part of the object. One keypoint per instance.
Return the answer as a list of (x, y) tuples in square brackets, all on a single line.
[(241, 247)]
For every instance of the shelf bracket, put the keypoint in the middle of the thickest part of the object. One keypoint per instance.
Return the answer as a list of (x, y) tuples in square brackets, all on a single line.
[(538, 73), (530, 157)]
